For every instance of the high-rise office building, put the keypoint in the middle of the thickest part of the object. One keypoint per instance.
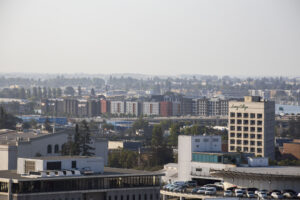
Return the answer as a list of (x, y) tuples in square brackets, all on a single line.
[(251, 126)]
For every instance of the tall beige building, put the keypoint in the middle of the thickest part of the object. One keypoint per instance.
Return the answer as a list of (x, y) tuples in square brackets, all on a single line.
[(251, 126)]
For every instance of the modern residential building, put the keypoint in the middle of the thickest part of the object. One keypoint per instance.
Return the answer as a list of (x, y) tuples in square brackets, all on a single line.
[(133, 108), (117, 107), (251, 126), (104, 106), (176, 108), (212, 107), (71, 106), (80, 178), (166, 108), (151, 108)]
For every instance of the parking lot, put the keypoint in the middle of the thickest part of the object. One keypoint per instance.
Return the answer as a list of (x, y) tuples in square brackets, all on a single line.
[(191, 189)]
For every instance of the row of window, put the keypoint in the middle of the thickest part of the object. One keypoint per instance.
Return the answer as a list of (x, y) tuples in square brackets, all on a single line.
[(49, 148), (246, 122), (207, 140), (246, 135), (246, 149), (246, 128), (246, 115), (245, 142)]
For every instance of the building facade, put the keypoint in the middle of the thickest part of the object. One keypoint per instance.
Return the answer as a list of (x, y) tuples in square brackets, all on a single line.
[(117, 107), (151, 108), (133, 108), (251, 126)]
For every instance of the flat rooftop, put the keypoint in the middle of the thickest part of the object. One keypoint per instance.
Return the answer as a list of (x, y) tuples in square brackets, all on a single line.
[(108, 172), (10, 137), (61, 157), (285, 171)]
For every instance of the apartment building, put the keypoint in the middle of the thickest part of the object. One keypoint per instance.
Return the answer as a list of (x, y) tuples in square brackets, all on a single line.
[(133, 108), (117, 107), (212, 107), (251, 126), (151, 108)]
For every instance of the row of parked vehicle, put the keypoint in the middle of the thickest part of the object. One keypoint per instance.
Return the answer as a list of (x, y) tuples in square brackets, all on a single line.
[(180, 186), (262, 194)]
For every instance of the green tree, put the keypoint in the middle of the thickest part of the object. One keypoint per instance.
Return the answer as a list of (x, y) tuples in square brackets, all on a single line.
[(174, 133), (157, 137), (47, 125), (85, 139), (7, 121)]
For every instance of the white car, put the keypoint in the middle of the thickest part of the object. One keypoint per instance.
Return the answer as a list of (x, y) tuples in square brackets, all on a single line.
[(276, 195), (239, 193), (227, 193), (201, 190), (262, 194), (250, 194), (210, 191)]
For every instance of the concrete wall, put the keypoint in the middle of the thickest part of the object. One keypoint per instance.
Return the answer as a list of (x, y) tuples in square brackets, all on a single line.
[(8, 155)]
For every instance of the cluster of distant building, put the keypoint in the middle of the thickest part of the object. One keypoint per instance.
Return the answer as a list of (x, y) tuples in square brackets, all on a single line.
[(157, 105)]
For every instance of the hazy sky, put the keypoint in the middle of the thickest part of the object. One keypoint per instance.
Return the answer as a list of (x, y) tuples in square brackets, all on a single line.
[(167, 37)]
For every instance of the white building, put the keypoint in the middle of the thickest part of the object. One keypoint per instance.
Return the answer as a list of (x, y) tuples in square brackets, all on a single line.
[(197, 155), (133, 108), (42, 164), (117, 107), (150, 108), (15, 144)]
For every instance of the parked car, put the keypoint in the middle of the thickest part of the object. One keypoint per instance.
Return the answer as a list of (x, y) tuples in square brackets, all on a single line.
[(191, 183), (239, 193), (201, 190), (227, 193), (262, 194), (195, 190), (289, 194), (250, 194), (219, 184), (210, 191), (276, 195)]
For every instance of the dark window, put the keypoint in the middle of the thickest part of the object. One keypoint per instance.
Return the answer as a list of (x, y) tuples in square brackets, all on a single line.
[(232, 121), (238, 141), (74, 164), (151, 196), (252, 150), (246, 135), (239, 114), (198, 169), (238, 148), (239, 135), (145, 197), (252, 142), (246, 121), (259, 136), (232, 114), (246, 115), (252, 115), (49, 148), (252, 122), (259, 129), (133, 197), (246, 128), (246, 149), (232, 134), (259, 150), (56, 148), (232, 141), (239, 121), (245, 142), (116, 197), (252, 129), (140, 197), (259, 122), (109, 197), (252, 135), (121, 197), (127, 197), (259, 116), (232, 148), (54, 165), (239, 128), (232, 128), (259, 143)]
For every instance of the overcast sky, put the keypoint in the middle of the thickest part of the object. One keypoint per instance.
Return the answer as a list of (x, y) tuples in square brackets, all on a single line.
[(166, 37)]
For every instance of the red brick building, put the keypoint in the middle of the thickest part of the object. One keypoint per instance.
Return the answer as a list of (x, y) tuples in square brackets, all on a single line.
[(166, 109), (292, 149), (105, 106)]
